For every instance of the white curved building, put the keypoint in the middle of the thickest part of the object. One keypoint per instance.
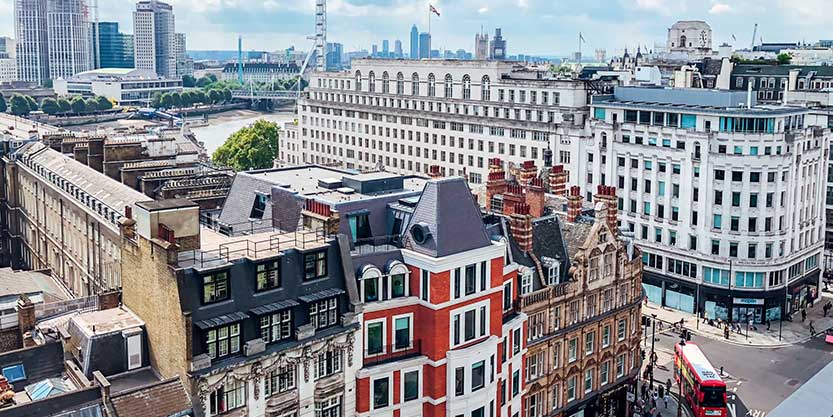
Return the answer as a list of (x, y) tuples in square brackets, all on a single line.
[(726, 201)]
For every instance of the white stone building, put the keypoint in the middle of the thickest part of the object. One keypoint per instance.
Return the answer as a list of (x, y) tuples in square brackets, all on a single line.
[(726, 202), (690, 36), (408, 115), (68, 33), (155, 37), (126, 86)]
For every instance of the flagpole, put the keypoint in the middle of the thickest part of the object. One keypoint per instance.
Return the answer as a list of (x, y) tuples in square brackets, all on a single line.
[(429, 31)]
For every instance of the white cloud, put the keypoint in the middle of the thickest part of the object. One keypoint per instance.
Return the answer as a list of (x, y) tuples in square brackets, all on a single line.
[(482, 10), (720, 8), (524, 4)]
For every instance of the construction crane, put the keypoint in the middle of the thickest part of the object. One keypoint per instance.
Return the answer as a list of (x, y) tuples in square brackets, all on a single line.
[(754, 34)]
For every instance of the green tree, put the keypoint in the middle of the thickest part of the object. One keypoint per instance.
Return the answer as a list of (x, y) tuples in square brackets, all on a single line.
[(19, 106), (252, 147), (212, 77), (92, 105), (187, 99), (201, 97), (188, 81), (156, 100), (203, 82), (784, 58), (103, 103), (64, 105), (215, 96), (3, 106), (167, 101), (226, 95), (176, 100), (50, 106), (78, 105), (33, 105)]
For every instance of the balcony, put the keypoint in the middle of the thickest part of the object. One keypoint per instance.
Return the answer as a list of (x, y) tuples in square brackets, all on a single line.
[(376, 244), (391, 354), (543, 295)]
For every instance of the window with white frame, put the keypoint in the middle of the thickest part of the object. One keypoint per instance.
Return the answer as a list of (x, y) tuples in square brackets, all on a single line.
[(552, 274), (556, 318), (425, 285), (526, 282), (621, 330), (535, 365), (556, 396), (403, 332), (381, 393), (223, 341), (375, 337), (328, 407), (328, 363), (228, 397), (588, 380), (507, 296), (537, 325), (276, 326), (606, 336), (324, 313), (573, 314), (604, 373), (535, 404), (572, 349), (280, 380), (571, 388), (556, 355), (620, 365), (478, 375), (466, 325), (410, 385), (608, 264), (590, 306), (589, 343), (594, 268), (607, 300), (516, 342)]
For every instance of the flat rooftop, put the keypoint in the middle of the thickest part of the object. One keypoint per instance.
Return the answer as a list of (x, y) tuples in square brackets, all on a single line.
[(107, 321), (331, 185), (217, 249)]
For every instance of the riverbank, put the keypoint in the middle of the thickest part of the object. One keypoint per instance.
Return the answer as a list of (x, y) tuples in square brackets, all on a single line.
[(222, 125)]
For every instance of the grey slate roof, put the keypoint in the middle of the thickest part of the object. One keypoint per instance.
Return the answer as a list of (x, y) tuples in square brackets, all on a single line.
[(574, 235), (782, 70), (453, 218), (273, 307), (241, 197), (221, 320), (320, 295)]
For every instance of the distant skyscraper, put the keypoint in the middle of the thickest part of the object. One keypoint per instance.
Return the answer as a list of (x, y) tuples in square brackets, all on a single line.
[(397, 49), (32, 45), (424, 45), (481, 46), (497, 47), (414, 42), (374, 50), (334, 53), (601, 55), (115, 49), (68, 34), (154, 37), (8, 59), (184, 64), (385, 48)]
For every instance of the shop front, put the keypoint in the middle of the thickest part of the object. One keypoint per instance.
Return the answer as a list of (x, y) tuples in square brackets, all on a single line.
[(669, 292), (610, 403)]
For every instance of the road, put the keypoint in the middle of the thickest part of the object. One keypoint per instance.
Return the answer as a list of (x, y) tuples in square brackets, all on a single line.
[(758, 378)]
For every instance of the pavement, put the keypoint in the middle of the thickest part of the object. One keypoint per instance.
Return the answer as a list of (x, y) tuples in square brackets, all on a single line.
[(780, 334), (663, 409), (758, 379)]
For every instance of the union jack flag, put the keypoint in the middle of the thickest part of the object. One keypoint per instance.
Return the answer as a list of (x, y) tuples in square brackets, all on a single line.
[(433, 9)]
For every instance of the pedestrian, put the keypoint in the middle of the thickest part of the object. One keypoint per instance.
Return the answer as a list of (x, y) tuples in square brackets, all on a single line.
[(643, 389), (812, 329), (768, 324), (666, 398), (661, 389), (803, 315), (654, 399), (668, 385)]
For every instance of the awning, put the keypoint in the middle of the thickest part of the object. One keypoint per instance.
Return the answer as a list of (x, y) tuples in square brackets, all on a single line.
[(321, 295), (273, 307), (222, 320)]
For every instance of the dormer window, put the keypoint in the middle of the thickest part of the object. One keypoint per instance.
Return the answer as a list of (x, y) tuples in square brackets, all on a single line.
[(258, 206), (552, 274), (268, 276), (594, 269), (215, 287), (315, 265)]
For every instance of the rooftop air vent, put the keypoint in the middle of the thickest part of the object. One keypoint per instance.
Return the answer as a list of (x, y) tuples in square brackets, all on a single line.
[(329, 183), (346, 190)]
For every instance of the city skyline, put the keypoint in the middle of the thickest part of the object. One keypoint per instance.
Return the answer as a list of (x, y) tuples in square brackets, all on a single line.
[(215, 25)]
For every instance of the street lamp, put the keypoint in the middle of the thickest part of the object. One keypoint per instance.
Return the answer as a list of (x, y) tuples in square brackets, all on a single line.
[(653, 340), (784, 309), (680, 385)]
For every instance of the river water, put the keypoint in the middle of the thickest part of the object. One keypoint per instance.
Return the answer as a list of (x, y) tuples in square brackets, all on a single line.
[(220, 128)]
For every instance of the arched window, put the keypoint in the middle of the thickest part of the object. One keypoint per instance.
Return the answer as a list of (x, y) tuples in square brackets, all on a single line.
[(485, 88), (398, 273), (449, 86), (432, 85), (371, 285), (466, 87), (415, 84), (400, 83), (385, 83), (683, 43), (358, 81), (371, 82)]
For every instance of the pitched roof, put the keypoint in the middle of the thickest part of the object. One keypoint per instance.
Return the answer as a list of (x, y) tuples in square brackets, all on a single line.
[(241, 197), (453, 219), (160, 400)]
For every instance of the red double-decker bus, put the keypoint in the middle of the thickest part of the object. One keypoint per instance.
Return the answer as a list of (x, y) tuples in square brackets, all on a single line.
[(703, 389)]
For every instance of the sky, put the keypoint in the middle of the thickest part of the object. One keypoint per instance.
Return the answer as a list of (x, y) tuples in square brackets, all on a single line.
[(538, 27)]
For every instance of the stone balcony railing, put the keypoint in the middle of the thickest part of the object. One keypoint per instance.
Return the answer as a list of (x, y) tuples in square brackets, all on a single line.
[(544, 295)]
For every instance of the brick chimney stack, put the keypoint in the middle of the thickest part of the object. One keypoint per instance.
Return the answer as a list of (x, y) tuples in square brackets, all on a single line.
[(527, 172), (513, 196), (434, 172), (607, 194), (26, 320), (496, 182), (574, 203), (520, 224), (558, 180), (535, 197)]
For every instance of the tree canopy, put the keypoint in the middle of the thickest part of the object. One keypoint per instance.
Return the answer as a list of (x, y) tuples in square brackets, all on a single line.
[(50, 106), (188, 81), (102, 103), (19, 106), (252, 147), (784, 58), (78, 104), (3, 107)]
